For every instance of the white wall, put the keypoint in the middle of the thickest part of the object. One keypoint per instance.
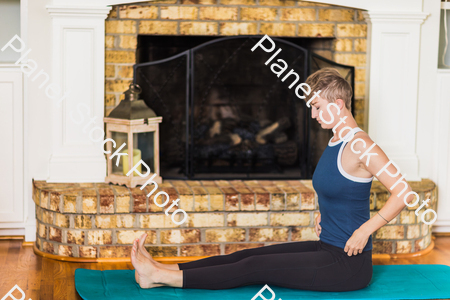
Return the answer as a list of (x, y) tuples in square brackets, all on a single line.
[(441, 148), (35, 32), (427, 106), (40, 108), (432, 125)]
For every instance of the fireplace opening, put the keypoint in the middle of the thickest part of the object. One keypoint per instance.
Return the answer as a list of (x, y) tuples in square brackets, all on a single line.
[(226, 115)]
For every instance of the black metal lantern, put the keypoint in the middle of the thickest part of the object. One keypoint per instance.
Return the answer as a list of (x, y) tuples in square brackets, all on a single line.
[(134, 128)]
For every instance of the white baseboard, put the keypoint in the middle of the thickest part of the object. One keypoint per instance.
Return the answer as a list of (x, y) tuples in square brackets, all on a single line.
[(12, 231), (30, 233), (441, 226), (26, 229)]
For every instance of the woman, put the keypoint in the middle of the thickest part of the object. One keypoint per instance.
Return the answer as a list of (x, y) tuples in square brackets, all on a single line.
[(342, 259)]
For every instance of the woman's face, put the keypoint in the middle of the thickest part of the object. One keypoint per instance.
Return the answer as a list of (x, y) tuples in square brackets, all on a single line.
[(320, 105)]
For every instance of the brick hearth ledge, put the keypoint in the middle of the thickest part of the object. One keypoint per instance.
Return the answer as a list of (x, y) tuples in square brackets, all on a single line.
[(97, 221)]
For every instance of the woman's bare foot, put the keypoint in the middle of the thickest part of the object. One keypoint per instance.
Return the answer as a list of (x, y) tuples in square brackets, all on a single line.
[(146, 272), (141, 242)]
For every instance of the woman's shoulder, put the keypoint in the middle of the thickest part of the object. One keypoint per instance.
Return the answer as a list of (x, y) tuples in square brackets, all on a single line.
[(361, 140)]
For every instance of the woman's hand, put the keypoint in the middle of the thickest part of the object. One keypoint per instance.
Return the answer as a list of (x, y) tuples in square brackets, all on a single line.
[(356, 242), (317, 227)]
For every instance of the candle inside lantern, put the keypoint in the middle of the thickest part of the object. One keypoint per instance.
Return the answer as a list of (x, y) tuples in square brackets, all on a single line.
[(136, 159)]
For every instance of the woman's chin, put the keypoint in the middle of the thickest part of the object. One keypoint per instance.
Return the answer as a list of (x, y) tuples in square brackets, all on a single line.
[(323, 125)]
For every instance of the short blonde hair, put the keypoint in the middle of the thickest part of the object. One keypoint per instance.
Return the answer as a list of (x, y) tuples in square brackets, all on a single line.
[(332, 86)]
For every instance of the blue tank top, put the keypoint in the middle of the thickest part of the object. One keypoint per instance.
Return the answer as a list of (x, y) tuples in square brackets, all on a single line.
[(344, 200)]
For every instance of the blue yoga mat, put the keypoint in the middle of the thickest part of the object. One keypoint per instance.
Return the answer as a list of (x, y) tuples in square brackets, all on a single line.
[(388, 282)]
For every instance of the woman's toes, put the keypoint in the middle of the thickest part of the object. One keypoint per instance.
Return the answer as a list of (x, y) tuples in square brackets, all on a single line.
[(142, 240), (142, 248)]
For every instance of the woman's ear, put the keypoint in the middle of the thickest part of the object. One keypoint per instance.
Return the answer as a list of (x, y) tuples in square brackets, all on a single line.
[(340, 103)]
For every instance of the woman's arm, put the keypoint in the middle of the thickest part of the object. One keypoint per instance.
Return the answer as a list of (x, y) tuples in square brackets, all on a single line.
[(317, 226), (378, 164)]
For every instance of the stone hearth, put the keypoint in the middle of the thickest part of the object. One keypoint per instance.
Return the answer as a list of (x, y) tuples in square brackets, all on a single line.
[(97, 220)]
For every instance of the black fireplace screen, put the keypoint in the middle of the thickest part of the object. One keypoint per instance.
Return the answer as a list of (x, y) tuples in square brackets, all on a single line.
[(227, 115)]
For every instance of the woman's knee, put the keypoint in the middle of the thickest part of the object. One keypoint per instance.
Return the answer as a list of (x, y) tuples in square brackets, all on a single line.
[(251, 263)]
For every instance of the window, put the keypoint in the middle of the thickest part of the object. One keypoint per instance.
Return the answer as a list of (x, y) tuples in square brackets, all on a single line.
[(10, 26)]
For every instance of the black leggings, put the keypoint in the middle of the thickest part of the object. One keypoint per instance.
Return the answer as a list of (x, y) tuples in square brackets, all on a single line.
[(307, 265)]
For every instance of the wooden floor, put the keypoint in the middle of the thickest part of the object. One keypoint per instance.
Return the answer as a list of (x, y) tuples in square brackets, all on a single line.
[(46, 279)]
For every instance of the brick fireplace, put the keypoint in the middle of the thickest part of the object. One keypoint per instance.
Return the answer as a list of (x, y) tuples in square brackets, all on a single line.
[(134, 34), (343, 30)]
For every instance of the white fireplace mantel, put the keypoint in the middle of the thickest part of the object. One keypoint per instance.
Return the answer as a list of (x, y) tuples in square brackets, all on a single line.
[(393, 72), (78, 35), (77, 11)]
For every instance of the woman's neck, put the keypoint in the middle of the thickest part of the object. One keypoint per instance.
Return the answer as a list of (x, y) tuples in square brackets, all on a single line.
[(349, 122)]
